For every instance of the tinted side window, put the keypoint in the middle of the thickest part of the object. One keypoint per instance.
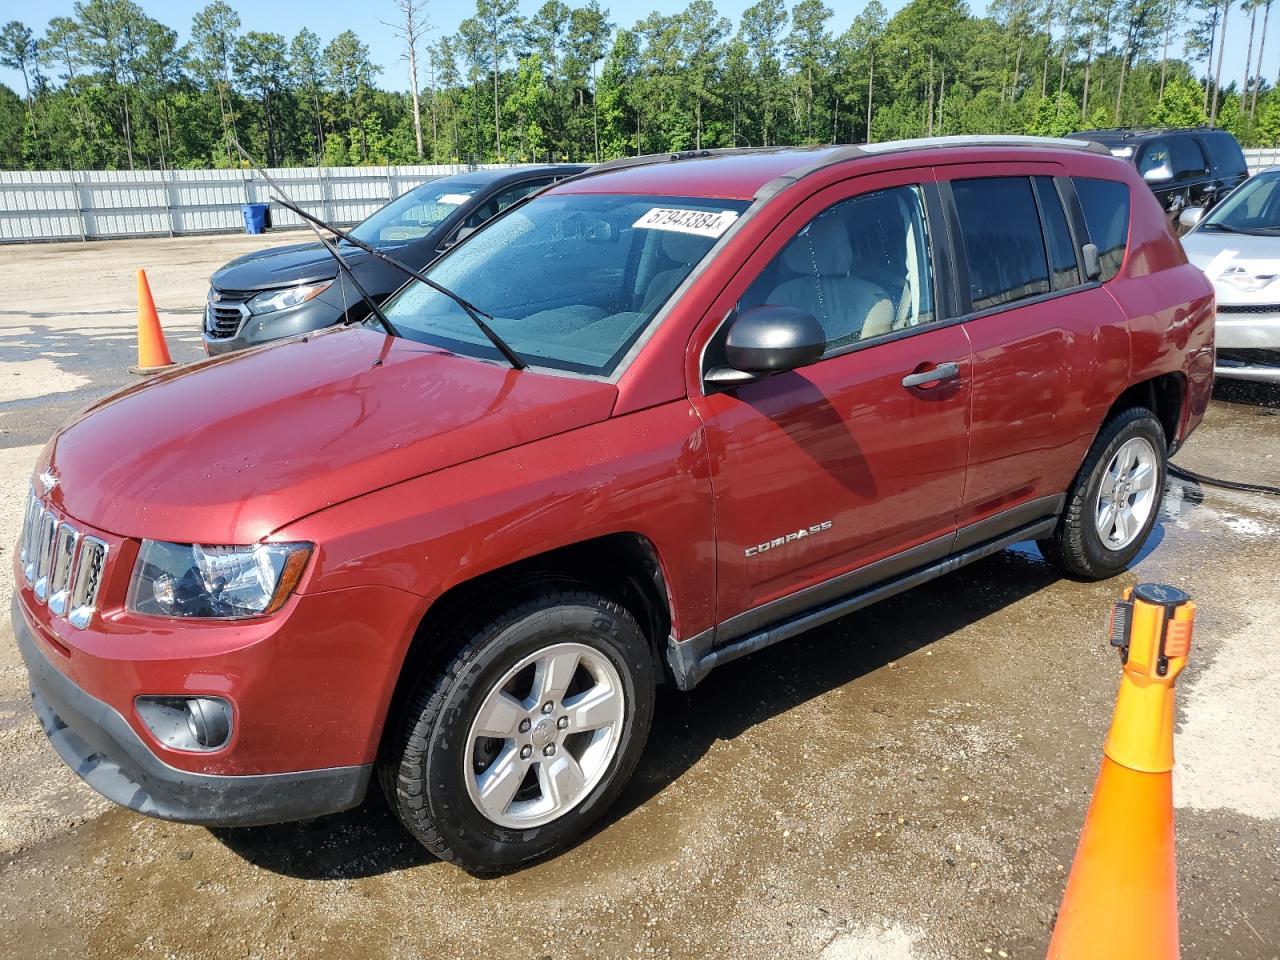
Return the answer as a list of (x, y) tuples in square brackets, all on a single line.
[(1003, 243), (1226, 154), (1106, 214), (1064, 272), (1154, 156), (499, 202), (861, 267), (1188, 161)]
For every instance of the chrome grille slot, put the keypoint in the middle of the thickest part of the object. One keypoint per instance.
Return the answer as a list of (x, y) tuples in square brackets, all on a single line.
[(64, 551), (30, 523), (44, 553), (224, 314), (63, 567), (86, 581)]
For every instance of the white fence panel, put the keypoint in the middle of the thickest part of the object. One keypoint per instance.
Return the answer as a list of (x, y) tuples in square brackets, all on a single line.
[(90, 204), (1259, 158)]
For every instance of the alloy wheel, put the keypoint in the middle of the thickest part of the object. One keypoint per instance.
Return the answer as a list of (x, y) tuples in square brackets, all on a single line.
[(1127, 495), (544, 735)]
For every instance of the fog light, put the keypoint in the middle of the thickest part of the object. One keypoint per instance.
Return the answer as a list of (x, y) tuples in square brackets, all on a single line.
[(187, 723), (209, 721)]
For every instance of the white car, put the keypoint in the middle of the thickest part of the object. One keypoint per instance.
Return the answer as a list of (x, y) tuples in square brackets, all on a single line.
[(1237, 245)]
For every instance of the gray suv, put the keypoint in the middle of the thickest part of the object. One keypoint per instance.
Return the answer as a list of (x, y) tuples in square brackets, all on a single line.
[(284, 291)]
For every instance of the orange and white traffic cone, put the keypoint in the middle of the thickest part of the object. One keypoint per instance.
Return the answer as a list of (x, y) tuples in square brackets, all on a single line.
[(153, 352), (1121, 899)]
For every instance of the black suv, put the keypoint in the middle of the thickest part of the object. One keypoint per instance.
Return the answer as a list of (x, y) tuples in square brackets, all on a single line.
[(1193, 167), (283, 291)]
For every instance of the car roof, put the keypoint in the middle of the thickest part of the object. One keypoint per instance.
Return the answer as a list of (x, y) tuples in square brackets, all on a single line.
[(500, 175), (743, 173), (1120, 134)]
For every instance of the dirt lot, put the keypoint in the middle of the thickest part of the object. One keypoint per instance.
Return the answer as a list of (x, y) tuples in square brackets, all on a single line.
[(906, 783)]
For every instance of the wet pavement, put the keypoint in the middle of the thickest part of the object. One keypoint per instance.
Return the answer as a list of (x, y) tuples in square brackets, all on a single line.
[(908, 782)]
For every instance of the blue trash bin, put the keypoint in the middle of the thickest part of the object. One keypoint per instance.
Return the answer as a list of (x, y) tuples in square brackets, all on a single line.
[(256, 217)]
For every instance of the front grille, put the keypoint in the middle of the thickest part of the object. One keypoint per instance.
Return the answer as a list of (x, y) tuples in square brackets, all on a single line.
[(1249, 308), (63, 567), (225, 312)]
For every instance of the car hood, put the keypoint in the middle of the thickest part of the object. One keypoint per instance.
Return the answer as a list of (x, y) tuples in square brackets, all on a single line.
[(1232, 259), (233, 448), (287, 265)]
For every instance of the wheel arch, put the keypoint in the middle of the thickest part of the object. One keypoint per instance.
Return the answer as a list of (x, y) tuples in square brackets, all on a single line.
[(1165, 395), (624, 566)]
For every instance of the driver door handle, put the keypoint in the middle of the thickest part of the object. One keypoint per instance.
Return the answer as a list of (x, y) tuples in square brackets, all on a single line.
[(939, 374)]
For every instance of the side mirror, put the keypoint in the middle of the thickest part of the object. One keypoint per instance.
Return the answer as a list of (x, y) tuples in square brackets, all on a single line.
[(1158, 174), (1190, 217), (461, 234), (1092, 261), (769, 339)]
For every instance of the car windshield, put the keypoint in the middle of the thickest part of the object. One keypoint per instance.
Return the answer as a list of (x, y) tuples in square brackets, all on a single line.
[(1253, 207), (415, 214), (571, 280)]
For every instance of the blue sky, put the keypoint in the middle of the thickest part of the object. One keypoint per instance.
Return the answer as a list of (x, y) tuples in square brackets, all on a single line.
[(330, 17)]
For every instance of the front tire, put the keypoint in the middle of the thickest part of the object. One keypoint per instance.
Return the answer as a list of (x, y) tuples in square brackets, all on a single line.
[(1115, 499), (527, 735)]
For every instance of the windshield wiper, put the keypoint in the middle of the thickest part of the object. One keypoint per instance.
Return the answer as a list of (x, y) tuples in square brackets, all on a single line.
[(283, 199), (474, 313)]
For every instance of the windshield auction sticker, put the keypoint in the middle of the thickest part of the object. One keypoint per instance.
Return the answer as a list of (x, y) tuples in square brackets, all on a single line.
[(700, 223)]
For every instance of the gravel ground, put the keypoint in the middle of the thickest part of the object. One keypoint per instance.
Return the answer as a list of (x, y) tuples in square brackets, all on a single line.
[(908, 782)]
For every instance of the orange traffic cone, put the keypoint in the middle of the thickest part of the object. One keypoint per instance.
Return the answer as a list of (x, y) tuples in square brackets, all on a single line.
[(1121, 899), (153, 352)]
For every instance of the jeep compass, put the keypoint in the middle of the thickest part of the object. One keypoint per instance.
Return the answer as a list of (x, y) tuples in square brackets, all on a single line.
[(742, 394)]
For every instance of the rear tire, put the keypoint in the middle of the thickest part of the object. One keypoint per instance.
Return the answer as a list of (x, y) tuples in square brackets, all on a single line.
[(481, 772), (1114, 500)]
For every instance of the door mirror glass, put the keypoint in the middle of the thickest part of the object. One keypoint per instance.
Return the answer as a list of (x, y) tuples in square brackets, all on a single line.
[(771, 339), (1190, 217), (1159, 173)]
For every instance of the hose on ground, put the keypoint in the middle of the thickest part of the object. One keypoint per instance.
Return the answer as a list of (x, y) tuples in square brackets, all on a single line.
[(1186, 474)]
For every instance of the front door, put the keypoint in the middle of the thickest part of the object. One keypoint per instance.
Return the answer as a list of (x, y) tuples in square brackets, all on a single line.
[(859, 459)]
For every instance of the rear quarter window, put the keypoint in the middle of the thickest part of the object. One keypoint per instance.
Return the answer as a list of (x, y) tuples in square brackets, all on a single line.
[(1106, 215), (1228, 158)]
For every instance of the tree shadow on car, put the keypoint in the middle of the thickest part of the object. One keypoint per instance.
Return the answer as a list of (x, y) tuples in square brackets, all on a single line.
[(369, 840)]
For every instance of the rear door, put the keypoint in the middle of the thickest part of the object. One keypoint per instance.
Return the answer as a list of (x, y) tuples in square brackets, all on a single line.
[(1229, 168), (1034, 325), (1191, 171), (836, 475)]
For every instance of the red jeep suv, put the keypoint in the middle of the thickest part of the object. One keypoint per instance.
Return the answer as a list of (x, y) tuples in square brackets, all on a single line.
[(744, 393)]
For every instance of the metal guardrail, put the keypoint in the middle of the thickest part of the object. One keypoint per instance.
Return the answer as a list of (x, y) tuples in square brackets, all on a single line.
[(1259, 158), (100, 204)]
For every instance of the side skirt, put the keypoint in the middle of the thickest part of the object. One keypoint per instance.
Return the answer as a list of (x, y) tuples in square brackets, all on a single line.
[(691, 660)]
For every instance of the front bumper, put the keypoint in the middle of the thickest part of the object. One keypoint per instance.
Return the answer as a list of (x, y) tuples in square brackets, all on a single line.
[(1248, 345), (95, 741), (257, 329)]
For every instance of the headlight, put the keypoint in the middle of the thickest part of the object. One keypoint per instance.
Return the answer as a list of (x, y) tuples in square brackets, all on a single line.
[(192, 580), (273, 300)]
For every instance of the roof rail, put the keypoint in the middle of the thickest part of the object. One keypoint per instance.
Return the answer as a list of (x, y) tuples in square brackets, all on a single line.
[(833, 154), (777, 184)]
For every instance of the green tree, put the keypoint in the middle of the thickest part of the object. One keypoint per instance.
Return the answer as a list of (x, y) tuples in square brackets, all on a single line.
[(307, 75), (1182, 105), (501, 24), (761, 30), (213, 40), (702, 34), (808, 47), (18, 51), (261, 64), (350, 74)]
